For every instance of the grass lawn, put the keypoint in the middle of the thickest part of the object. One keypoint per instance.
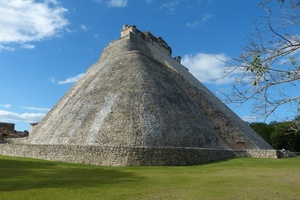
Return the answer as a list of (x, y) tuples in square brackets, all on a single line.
[(239, 178)]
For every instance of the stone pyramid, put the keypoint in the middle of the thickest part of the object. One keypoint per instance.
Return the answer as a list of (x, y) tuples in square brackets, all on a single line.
[(138, 97)]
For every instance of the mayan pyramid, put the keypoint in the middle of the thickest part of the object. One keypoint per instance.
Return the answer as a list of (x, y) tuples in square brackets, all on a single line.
[(138, 97)]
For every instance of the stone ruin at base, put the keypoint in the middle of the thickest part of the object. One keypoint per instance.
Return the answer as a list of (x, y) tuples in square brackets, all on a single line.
[(8, 132), (139, 106)]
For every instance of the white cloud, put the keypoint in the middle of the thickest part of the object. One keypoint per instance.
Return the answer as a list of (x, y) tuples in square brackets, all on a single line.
[(113, 3), (71, 79), (250, 118), (35, 108), (28, 46), (6, 48), (193, 24), (5, 105), (70, 30), (170, 7), (83, 27), (8, 116), (116, 3), (25, 21), (52, 79), (208, 68), (54, 2), (200, 22)]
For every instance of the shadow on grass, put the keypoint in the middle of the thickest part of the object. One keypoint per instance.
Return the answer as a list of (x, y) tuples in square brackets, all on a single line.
[(21, 174)]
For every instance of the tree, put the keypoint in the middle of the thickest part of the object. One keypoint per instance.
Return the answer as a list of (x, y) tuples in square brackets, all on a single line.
[(264, 130), (283, 137), (268, 68), (280, 135)]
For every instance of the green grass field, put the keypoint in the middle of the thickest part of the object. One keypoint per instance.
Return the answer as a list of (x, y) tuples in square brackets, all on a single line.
[(240, 178)]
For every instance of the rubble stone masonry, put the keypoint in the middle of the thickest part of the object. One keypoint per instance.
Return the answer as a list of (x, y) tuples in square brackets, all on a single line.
[(128, 156)]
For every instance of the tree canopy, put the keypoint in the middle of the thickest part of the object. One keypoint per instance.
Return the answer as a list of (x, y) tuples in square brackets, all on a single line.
[(280, 135)]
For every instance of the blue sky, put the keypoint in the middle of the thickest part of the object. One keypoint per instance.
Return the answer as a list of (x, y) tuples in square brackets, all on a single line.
[(47, 45)]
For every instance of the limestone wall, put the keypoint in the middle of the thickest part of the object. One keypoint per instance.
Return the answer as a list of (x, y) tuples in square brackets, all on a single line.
[(127, 156), (257, 153), (115, 156), (18, 140)]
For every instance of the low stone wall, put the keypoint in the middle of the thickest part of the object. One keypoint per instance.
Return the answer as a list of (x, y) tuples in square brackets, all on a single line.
[(127, 156), (257, 153), (21, 140)]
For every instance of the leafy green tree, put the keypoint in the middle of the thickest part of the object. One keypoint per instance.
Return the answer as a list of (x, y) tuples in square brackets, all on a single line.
[(264, 130), (280, 135), (268, 68), (284, 137)]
